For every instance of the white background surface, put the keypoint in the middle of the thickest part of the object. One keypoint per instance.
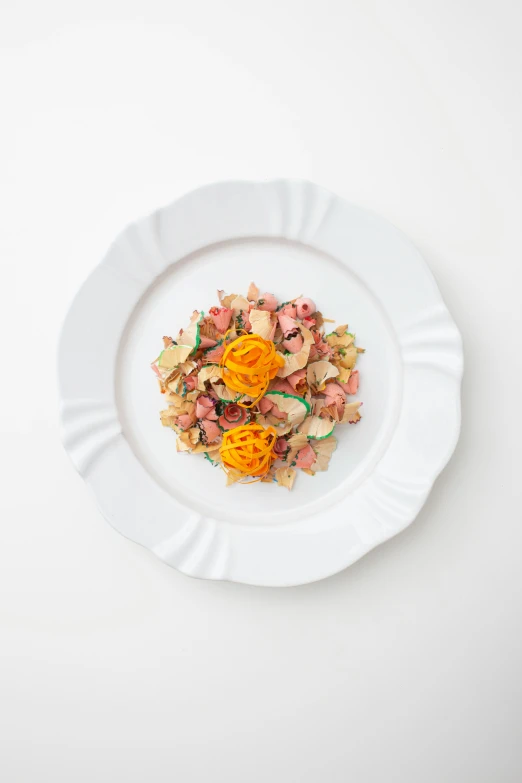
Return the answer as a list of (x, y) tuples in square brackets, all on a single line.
[(407, 666)]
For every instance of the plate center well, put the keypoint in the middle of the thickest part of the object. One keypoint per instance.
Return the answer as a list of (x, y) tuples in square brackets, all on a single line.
[(286, 269)]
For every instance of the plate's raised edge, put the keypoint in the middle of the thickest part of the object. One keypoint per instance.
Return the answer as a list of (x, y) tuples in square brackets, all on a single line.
[(387, 502)]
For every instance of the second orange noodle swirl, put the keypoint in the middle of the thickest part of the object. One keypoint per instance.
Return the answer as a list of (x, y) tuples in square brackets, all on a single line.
[(249, 363), (249, 449)]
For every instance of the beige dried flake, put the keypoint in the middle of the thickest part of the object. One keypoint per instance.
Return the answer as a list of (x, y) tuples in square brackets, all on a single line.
[(225, 300), (318, 373), (238, 304), (227, 395), (344, 374), (210, 448), (168, 417), (215, 455), (331, 411), (190, 438), (263, 420), (233, 476), (269, 420), (171, 357), (208, 329), (174, 399), (285, 477), (294, 406), (209, 372), (187, 367), (261, 323), (175, 386), (283, 429), (181, 446), (318, 318), (189, 335), (297, 441), (323, 451), (318, 403), (336, 340), (179, 405), (351, 413), (317, 427), (253, 293), (347, 357), (173, 381)]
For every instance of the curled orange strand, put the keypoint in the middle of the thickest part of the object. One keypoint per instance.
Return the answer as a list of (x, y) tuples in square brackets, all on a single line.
[(249, 449), (249, 363)]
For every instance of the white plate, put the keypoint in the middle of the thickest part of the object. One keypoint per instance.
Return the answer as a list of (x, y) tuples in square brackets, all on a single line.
[(291, 238)]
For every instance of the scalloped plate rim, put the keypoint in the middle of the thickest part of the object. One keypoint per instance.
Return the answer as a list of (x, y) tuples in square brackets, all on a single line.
[(429, 480)]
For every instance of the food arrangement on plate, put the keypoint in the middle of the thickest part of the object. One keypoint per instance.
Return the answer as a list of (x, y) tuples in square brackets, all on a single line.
[(258, 386)]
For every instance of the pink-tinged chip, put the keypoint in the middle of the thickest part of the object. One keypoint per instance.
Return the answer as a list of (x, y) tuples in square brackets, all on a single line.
[(221, 317), (267, 302), (292, 337), (305, 307), (281, 446), (191, 381), (336, 396), (351, 413), (333, 389), (309, 322), (271, 334), (305, 457), (282, 385), (279, 414), (185, 421), (265, 405), (268, 406), (253, 292), (290, 310), (352, 384), (214, 354), (320, 349), (297, 381), (243, 321), (206, 342), (205, 408), (211, 431)]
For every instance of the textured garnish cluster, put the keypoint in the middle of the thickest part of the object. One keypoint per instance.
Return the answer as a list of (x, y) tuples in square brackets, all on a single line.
[(259, 386)]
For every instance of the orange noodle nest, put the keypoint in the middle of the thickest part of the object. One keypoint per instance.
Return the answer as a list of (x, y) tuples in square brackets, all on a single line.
[(249, 449), (249, 363)]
